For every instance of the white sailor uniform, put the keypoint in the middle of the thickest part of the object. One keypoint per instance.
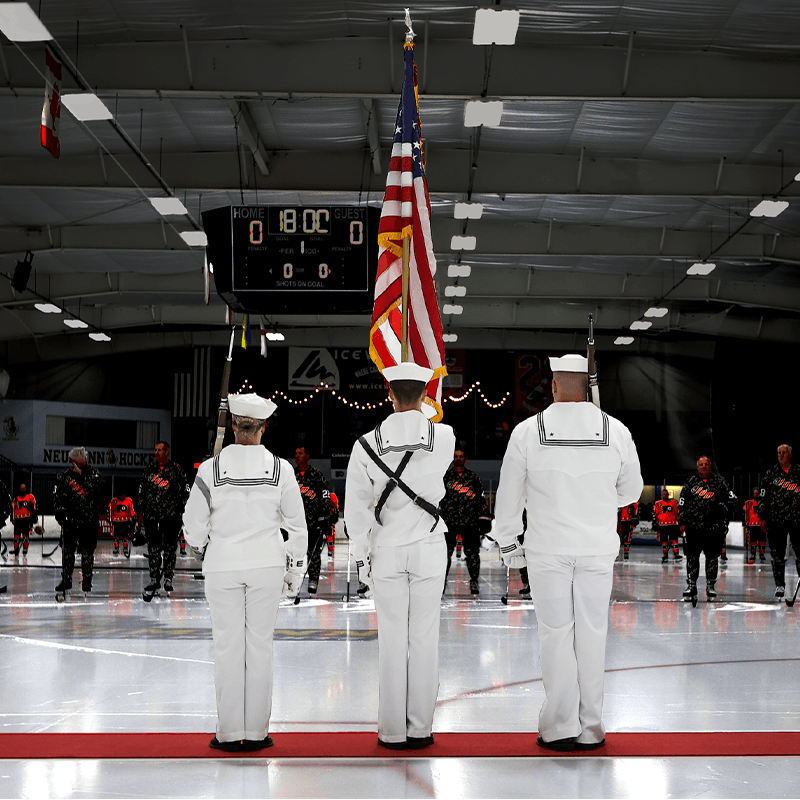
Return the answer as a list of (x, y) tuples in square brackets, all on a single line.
[(408, 561), (571, 466), (239, 502)]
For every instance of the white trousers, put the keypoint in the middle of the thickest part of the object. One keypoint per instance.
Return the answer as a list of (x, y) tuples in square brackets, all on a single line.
[(571, 595), (244, 608), (407, 585)]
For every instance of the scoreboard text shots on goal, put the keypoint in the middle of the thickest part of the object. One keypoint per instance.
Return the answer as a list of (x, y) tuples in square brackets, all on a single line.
[(294, 259)]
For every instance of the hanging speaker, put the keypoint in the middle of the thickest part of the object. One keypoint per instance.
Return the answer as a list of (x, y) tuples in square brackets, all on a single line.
[(22, 272)]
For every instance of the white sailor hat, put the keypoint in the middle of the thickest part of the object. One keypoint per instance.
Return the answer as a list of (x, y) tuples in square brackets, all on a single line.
[(569, 363), (250, 405), (408, 371)]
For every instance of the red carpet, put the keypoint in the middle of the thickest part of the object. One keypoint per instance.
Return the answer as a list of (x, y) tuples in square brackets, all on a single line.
[(364, 745)]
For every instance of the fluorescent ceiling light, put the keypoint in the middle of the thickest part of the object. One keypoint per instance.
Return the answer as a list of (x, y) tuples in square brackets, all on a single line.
[(452, 309), (274, 336), (653, 311), (468, 210), (459, 271), (450, 337), (641, 325), (477, 112), (455, 291), (86, 107), (769, 208), (100, 337), (463, 243), (797, 177), (76, 323), (19, 22), (168, 205), (47, 308), (701, 268), (624, 340), (495, 27), (195, 238)]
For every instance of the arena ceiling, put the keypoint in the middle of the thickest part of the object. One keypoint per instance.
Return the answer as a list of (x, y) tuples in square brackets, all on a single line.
[(635, 139)]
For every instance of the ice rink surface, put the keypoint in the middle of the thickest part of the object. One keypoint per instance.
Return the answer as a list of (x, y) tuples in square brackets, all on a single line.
[(109, 662)]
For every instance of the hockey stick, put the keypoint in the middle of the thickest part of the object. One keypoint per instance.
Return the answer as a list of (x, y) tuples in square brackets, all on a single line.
[(346, 598), (790, 603), (504, 598), (308, 566), (48, 555)]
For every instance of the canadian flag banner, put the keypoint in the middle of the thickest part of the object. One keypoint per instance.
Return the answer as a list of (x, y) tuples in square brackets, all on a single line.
[(51, 112)]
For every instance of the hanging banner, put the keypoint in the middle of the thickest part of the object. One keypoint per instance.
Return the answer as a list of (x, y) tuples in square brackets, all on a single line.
[(532, 390), (51, 111)]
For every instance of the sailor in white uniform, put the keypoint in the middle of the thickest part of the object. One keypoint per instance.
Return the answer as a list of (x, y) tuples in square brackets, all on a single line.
[(571, 466), (399, 546), (239, 502)]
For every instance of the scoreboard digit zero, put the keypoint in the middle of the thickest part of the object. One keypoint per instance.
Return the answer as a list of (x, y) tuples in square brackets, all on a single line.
[(294, 259)]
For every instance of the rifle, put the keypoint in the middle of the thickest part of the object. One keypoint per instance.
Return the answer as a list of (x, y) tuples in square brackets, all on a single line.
[(594, 389), (222, 414)]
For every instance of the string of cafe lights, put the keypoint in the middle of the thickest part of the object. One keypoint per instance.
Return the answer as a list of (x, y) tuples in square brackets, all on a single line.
[(477, 387), (371, 406)]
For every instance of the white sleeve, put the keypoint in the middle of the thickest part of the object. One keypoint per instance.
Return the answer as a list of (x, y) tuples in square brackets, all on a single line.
[(197, 514), (510, 498), (293, 515), (629, 481), (359, 500)]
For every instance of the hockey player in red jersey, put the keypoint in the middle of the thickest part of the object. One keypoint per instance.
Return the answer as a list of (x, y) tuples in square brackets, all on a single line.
[(628, 519), (665, 513), (25, 517), (123, 518), (754, 536)]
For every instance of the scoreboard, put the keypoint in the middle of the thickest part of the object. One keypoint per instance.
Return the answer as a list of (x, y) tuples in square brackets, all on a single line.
[(294, 259)]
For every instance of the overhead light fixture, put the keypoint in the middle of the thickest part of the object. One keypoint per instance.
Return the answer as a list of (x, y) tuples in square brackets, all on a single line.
[(449, 337), (86, 106), (797, 177), (624, 340), (76, 323), (468, 210), (495, 27), (100, 337), (47, 308), (452, 309), (274, 336), (195, 238), (168, 206), (455, 291), (641, 325), (654, 311), (463, 243), (486, 113), (701, 268), (459, 271), (769, 208), (19, 22)]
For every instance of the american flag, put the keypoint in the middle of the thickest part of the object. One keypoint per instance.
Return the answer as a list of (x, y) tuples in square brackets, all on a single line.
[(406, 214)]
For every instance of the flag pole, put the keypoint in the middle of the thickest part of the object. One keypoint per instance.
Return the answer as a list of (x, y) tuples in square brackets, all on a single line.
[(404, 301), (406, 243)]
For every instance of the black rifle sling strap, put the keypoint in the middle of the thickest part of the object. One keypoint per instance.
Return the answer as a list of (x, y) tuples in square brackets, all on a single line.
[(396, 481)]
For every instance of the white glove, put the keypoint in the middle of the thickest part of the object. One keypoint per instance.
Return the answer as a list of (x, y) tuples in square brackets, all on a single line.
[(513, 555), (364, 567), (293, 579)]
